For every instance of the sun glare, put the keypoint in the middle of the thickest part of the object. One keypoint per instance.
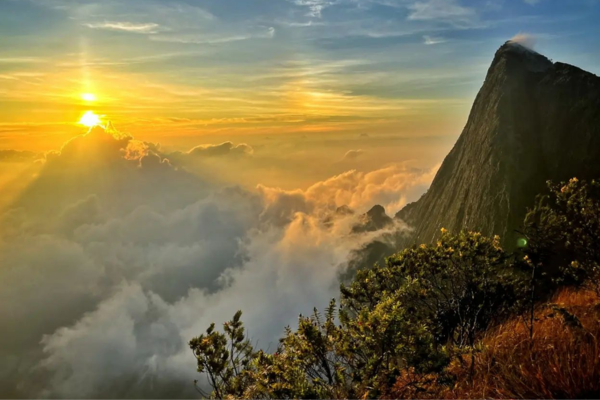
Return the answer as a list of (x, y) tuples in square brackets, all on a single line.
[(88, 97), (90, 119)]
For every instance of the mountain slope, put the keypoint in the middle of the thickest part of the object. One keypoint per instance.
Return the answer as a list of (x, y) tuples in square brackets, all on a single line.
[(532, 120)]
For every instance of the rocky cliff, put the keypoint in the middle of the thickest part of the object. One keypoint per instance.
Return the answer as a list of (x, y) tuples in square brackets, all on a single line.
[(532, 120)]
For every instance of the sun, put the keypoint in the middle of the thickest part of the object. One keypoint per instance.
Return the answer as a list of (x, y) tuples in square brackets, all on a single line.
[(88, 96), (89, 119)]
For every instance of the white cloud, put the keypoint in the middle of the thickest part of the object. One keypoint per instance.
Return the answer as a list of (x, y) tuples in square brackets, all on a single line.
[(449, 11), (524, 39), (315, 7), (198, 38), (212, 38), (391, 187), (119, 276), (125, 26), (122, 340), (431, 40)]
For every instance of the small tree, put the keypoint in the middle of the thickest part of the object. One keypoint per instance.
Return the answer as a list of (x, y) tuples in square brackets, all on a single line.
[(225, 358), (310, 362)]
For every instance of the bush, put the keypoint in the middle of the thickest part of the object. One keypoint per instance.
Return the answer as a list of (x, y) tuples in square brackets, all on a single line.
[(563, 231)]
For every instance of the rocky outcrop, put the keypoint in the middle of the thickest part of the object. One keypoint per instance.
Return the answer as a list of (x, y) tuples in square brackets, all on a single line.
[(532, 120), (373, 220)]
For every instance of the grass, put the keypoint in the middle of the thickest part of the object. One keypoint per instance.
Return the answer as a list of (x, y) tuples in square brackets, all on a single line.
[(561, 360)]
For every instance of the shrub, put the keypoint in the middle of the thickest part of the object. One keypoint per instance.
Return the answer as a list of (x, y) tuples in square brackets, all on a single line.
[(563, 230)]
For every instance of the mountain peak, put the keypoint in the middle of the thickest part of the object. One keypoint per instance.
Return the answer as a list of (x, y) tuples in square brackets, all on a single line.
[(517, 53), (373, 220), (533, 120)]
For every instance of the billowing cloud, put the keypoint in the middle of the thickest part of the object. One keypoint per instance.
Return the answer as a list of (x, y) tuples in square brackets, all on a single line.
[(104, 163), (391, 187), (101, 295)]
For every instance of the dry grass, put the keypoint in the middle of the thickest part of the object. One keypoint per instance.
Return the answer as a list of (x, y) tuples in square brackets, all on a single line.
[(562, 360)]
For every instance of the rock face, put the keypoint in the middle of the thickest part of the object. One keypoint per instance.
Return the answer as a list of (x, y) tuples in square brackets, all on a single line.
[(374, 220), (533, 120)]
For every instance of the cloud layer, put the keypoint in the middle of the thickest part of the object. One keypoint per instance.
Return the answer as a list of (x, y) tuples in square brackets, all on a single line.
[(115, 256)]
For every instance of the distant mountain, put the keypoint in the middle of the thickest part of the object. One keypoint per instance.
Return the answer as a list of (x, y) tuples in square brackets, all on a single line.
[(532, 120), (373, 220)]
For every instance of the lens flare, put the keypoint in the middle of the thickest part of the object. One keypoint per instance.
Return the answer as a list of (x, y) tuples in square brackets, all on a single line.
[(89, 119)]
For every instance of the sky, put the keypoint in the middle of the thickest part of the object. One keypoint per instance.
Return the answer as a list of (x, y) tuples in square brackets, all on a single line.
[(182, 71), (228, 154)]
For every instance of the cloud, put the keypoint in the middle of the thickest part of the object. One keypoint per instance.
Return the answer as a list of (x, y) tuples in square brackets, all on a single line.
[(524, 39), (219, 150), (353, 154), (115, 256), (126, 335), (115, 226), (431, 40), (391, 187), (199, 38), (449, 11), (216, 38), (315, 7), (102, 162), (21, 60), (17, 156), (125, 26)]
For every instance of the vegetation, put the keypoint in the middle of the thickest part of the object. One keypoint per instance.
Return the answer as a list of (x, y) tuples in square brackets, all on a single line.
[(460, 318)]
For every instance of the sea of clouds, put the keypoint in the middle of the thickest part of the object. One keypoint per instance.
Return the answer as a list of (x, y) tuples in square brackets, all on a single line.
[(118, 253)]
